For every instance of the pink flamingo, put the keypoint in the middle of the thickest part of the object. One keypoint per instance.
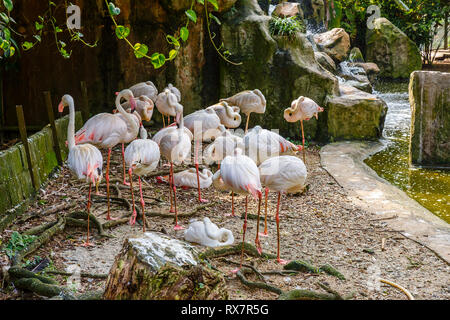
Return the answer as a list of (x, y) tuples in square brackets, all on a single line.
[(202, 124), (175, 146), (144, 107), (248, 101), (301, 109), (106, 130), (188, 179), (229, 115), (164, 106), (142, 157), (241, 174), (145, 89), (84, 161), (284, 174)]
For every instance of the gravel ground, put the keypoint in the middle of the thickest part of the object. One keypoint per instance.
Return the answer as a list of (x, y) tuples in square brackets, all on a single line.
[(321, 226)]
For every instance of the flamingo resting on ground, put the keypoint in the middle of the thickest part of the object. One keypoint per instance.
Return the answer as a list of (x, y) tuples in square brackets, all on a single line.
[(142, 157), (175, 146), (301, 109), (188, 179), (229, 115), (285, 174), (106, 130), (84, 161), (248, 101), (145, 89), (203, 124), (208, 234), (241, 174), (262, 144)]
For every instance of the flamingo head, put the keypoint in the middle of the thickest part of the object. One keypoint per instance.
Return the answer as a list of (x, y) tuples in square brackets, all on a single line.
[(128, 95), (66, 100)]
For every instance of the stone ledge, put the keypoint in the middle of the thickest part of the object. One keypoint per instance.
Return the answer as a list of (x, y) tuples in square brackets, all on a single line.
[(374, 194)]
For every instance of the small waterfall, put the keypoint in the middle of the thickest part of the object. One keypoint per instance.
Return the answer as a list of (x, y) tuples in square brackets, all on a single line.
[(271, 9)]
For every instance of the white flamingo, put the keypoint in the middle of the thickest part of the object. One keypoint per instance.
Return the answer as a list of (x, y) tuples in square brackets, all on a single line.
[(106, 130), (285, 174), (84, 161), (301, 109), (241, 174), (229, 115), (175, 146), (208, 234), (142, 157), (203, 124), (166, 102), (248, 101), (145, 89), (222, 186), (222, 146), (188, 179), (261, 144), (144, 107)]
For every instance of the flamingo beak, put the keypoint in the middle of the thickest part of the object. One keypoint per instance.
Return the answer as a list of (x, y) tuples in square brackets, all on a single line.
[(133, 105), (116, 93), (321, 109), (317, 116), (300, 147), (177, 118), (61, 107)]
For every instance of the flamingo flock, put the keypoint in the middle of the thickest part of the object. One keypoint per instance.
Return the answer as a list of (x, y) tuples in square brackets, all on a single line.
[(258, 161)]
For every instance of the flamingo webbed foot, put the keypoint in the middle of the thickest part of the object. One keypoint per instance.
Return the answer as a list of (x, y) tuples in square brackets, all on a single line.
[(203, 200), (234, 271), (263, 234), (282, 261), (178, 227), (87, 244), (133, 218), (126, 183)]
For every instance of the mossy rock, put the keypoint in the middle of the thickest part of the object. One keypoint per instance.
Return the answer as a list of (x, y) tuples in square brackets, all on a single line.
[(395, 54), (355, 55)]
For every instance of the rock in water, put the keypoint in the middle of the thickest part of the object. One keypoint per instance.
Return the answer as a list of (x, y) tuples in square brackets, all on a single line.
[(395, 54), (158, 267), (355, 115), (335, 43), (429, 95)]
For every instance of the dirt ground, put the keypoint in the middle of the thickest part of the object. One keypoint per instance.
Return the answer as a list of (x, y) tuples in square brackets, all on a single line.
[(321, 226)]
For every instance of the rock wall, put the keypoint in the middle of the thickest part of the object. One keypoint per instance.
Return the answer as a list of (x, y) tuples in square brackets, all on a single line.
[(15, 180), (429, 94)]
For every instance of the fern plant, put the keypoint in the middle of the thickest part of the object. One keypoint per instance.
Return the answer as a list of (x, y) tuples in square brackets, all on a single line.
[(286, 26)]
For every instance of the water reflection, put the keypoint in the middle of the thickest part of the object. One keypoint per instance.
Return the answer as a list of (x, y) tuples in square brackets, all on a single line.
[(431, 188)]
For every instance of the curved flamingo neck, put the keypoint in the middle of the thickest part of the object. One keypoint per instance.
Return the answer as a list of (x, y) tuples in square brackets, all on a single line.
[(128, 117), (71, 126)]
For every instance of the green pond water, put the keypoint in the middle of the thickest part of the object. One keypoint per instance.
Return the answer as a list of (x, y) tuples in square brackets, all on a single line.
[(429, 187)]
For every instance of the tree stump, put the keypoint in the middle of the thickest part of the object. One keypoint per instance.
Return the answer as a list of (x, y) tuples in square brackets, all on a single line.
[(157, 267)]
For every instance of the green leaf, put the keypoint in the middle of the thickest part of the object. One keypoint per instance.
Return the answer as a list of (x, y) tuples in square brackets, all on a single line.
[(62, 43), (201, 1), (215, 18), (4, 17), (27, 45), (58, 29), (122, 32), (11, 51), (184, 33), (158, 60), (215, 4), (38, 26), (6, 34), (5, 45), (191, 15), (8, 4), (37, 37), (113, 10), (172, 54), (172, 40), (140, 50)]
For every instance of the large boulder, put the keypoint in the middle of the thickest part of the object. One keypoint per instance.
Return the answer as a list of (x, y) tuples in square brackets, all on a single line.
[(335, 43), (429, 94), (288, 9), (355, 115), (158, 267), (395, 54), (325, 61), (282, 68), (371, 69), (355, 55)]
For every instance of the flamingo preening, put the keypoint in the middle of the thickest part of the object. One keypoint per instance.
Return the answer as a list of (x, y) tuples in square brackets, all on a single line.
[(84, 161), (301, 109), (241, 175), (222, 146), (165, 102), (261, 144), (144, 107), (175, 146), (248, 101), (284, 174), (106, 130), (208, 234), (229, 115), (142, 157)]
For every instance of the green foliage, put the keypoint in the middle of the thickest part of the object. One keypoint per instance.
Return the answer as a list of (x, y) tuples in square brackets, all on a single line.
[(286, 26), (17, 243)]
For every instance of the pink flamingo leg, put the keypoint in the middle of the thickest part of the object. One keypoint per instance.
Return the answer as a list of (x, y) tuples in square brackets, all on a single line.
[(134, 215), (280, 261), (142, 205), (87, 244), (172, 210), (164, 122), (177, 226), (198, 178), (257, 242), (244, 228), (108, 215), (264, 234), (303, 143), (123, 164)]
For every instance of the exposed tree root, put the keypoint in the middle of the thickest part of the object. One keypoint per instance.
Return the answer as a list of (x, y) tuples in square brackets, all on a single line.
[(82, 274), (304, 266), (72, 219), (236, 249), (18, 273), (42, 289), (39, 229), (113, 223), (48, 211), (256, 285), (180, 215), (259, 274)]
